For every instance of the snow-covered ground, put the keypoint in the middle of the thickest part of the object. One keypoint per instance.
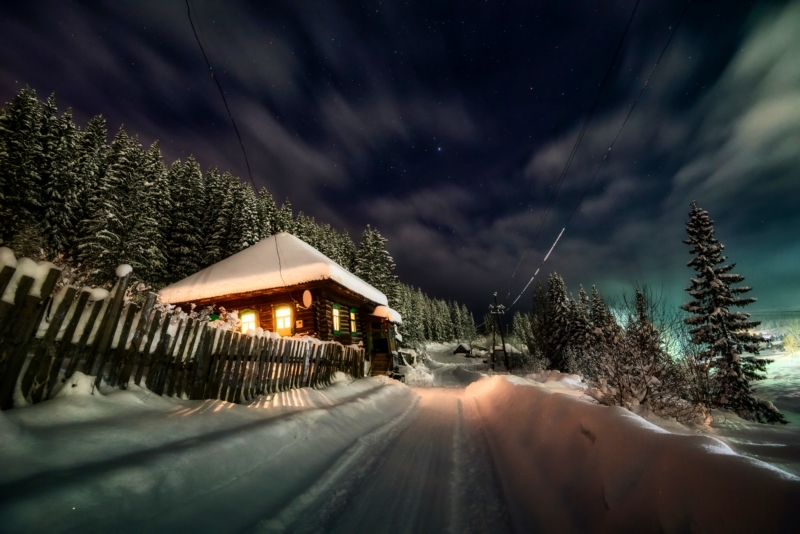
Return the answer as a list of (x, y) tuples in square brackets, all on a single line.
[(503, 454)]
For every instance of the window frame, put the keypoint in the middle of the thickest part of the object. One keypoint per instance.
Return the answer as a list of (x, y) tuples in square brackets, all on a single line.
[(255, 319), (353, 322), (336, 316), (290, 318)]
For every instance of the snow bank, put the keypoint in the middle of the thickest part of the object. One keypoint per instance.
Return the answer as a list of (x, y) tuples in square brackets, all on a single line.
[(280, 260), (566, 465), (558, 381), (130, 461), (417, 376)]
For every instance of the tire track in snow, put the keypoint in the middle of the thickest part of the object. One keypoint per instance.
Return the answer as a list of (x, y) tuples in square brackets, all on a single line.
[(326, 498)]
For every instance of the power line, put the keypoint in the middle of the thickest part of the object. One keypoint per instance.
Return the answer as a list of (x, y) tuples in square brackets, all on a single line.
[(577, 143), (221, 93), (608, 152)]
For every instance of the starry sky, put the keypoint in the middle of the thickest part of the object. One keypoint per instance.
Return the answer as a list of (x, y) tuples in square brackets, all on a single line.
[(447, 124)]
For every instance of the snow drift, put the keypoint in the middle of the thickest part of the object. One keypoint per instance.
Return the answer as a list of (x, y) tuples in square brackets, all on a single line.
[(567, 465)]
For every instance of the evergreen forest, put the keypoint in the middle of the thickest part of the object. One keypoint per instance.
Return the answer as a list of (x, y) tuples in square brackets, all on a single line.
[(69, 196)]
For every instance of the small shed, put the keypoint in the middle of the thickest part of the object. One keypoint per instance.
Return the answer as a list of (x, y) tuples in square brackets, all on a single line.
[(463, 348), (282, 284)]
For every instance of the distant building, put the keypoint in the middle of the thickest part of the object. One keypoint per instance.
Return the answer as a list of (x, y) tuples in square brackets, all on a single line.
[(463, 348), (282, 284)]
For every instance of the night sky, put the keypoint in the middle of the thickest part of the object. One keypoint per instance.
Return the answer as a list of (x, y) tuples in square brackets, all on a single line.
[(446, 124)]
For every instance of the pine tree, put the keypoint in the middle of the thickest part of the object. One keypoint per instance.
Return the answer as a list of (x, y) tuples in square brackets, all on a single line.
[(557, 322), (347, 251), (20, 157), (244, 229), (124, 228), (185, 238), (579, 336), (306, 229), (284, 220), (89, 169), (57, 171), (156, 194), (217, 215), (468, 327), (374, 265), (267, 213), (723, 335)]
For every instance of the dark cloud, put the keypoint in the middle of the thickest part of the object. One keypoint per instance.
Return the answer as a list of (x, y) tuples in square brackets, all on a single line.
[(447, 125)]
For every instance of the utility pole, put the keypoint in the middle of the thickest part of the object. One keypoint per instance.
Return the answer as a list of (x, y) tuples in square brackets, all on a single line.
[(497, 310)]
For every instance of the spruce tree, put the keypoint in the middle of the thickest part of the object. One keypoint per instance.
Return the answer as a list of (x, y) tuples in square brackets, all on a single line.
[(57, 171), (284, 220), (124, 228), (722, 335), (557, 322), (374, 265), (89, 168), (185, 238), (157, 196), (217, 215), (244, 229), (20, 159), (306, 229), (347, 251), (579, 337), (468, 324), (267, 213)]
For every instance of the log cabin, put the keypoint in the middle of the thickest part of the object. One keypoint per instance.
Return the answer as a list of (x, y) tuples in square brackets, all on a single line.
[(284, 285)]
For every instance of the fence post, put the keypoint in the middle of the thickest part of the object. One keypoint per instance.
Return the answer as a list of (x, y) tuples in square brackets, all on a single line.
[(130, 355), (31, 311), (66, 342), (108, 327), (144, 359), (213, 391), (196, 382), (40, 364), (155, 356), (76, 354)]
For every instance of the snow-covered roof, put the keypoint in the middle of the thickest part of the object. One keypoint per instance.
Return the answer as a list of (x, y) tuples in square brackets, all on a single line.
[(387, 313), (280, 260)]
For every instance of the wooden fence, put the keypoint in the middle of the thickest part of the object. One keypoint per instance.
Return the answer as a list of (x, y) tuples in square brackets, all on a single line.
[(45, 339)]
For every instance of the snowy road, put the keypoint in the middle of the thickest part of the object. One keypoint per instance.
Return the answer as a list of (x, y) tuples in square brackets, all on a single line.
[(433, 475), (502, 455)]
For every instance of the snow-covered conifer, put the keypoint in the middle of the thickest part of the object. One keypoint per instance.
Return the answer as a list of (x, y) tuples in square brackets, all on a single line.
[(124, 227), (57, 171), (374, 264), (284, 219), (347, 251), (721, 334), (20, 157), (267, 213), (185, 238), (217, 215), (306, 229), (244, 225), (557, 322)]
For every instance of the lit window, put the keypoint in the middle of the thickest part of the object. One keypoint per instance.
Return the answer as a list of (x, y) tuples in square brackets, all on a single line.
[(337, 324), (283, 321), (353, 321), (248, 318)]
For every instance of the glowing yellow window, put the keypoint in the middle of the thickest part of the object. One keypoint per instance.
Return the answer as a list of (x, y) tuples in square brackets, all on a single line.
[(353, 321), (337, 322), (283, 321), (248, 318)]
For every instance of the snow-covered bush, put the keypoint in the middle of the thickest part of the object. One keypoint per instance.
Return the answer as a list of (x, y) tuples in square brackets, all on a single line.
[(633, 368)]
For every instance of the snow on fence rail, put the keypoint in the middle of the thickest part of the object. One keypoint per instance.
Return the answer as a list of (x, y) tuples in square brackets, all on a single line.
[(45, 339)]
